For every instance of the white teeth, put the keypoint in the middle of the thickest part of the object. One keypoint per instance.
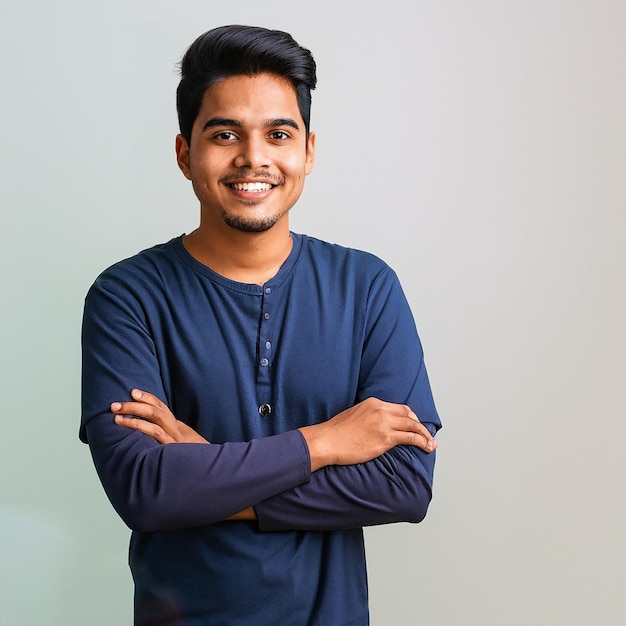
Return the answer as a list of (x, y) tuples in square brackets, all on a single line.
[(251, 186)]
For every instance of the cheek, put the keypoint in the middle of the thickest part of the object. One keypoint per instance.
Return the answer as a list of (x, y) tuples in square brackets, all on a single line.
[(295, 168), (209, 164)]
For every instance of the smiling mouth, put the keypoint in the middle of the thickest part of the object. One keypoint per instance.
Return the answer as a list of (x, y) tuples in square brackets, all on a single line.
[(251, 187)]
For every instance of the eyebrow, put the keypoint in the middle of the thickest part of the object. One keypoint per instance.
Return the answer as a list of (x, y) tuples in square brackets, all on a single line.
[(227, 121), (283, 121)]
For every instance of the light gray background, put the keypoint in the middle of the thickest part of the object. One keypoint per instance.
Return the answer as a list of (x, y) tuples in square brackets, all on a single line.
[(479, 148)]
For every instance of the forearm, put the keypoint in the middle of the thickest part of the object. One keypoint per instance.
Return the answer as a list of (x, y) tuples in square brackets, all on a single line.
[(395, 487), (163, 487), (372, 464)]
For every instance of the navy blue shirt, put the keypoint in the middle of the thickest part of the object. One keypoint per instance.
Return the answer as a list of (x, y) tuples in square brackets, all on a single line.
[(246, 366)]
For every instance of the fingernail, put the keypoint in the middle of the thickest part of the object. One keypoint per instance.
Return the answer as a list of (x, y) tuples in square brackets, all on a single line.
[(136, 393), (116, 406)]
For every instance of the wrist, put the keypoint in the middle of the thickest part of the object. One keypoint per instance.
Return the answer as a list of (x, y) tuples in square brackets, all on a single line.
[(320, 454)]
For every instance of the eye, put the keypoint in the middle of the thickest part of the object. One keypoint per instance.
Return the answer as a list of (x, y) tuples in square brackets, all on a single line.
[(225, 135), (279, 135)]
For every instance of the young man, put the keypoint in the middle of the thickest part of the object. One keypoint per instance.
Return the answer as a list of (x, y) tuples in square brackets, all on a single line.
[(250, 395)]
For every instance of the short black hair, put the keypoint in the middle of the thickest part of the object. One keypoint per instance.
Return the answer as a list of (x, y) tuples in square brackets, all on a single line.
[(242, 50)]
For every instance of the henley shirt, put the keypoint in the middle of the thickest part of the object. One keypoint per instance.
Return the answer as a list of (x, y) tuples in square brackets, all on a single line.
[(246, 365)]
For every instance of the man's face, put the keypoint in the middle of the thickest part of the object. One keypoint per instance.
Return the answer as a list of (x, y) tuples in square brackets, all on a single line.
[(249, 152)]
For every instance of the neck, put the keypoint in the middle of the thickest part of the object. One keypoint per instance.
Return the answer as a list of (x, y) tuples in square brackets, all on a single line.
[(239, 256)]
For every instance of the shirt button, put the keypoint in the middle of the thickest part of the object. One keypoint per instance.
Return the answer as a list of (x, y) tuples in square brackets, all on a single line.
[(267, 316), (268, 345), (264, 362), (265, 410), (268, 290)]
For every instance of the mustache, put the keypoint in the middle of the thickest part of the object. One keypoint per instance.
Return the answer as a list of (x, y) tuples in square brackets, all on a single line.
[(258, 176)]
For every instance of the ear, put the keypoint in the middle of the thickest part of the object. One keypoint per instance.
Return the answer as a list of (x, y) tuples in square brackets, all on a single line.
[(182, 156), (310, 153)]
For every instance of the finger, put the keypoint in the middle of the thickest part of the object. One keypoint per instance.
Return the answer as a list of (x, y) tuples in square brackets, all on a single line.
[(428, 445), (413, 432), (425, 440), (148, 398), (423, 430), (140, 409), (148, 428), (402, 410), (408, 420), (394, 408)]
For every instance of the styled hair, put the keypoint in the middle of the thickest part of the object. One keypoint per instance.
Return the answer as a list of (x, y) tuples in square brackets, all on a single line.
[(242, 50)]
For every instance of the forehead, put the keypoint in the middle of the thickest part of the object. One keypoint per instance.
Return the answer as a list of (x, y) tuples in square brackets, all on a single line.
[(250, 98)]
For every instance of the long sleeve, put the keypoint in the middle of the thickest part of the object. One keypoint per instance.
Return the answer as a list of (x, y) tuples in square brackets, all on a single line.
[(396, 486), (246, 366), (155, 487), (331, 329)]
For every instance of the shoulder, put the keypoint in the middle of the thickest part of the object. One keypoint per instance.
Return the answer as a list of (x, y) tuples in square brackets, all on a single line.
[(335, 259), (145, 271), (143, 265)]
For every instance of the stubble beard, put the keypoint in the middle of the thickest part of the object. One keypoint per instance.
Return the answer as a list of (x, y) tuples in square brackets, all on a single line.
[(247, 224)]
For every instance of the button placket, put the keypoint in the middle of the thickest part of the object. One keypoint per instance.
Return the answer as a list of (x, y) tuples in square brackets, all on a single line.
[(264, 386)]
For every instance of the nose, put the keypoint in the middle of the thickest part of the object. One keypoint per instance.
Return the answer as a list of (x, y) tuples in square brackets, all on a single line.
[(252, 153)]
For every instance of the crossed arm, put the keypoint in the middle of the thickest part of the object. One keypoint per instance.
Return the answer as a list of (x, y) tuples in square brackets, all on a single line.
[(356, 435), (369, 464)]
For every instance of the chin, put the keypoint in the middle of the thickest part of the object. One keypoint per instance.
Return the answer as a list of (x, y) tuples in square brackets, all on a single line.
[(248, 225)]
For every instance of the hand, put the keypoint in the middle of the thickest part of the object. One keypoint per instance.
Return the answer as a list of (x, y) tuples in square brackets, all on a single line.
[(152, 417), (155, 419), (364, 432)]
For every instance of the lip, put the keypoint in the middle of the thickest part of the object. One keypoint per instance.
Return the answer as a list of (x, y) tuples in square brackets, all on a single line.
[(231, 180)]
